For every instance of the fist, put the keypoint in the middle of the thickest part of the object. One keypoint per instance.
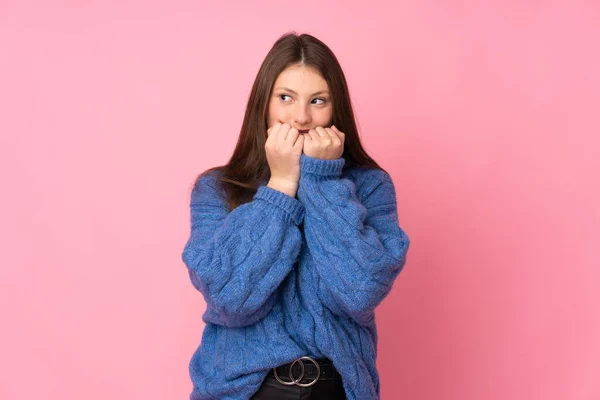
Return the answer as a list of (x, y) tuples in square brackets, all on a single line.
[(324, 143)]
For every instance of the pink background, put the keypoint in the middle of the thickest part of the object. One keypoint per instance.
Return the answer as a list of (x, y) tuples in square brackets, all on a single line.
[(486, 117)]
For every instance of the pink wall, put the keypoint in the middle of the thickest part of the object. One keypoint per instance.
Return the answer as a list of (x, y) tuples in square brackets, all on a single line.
[(486, 117)]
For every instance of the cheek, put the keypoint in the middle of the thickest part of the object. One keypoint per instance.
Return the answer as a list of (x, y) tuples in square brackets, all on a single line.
[(276, 112), (325, 118)]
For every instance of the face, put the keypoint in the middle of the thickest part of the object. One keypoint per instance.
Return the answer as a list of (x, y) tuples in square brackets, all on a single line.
[(300, 98)]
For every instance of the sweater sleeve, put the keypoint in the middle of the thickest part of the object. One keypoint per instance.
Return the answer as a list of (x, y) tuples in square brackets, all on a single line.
[(354, 238), (238, 259)]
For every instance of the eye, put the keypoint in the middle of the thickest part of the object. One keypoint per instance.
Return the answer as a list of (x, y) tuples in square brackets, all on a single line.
[(284, 95), (323, 101)]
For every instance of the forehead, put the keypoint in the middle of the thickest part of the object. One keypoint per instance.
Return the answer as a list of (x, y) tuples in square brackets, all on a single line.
[(301, 78)]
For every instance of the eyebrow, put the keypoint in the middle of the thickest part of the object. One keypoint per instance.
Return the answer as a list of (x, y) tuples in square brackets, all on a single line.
[(314, 94)]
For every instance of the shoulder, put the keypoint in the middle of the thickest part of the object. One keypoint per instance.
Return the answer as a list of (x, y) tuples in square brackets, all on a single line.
[(367, 179), (210, 177), (208, 186), (362, 174)]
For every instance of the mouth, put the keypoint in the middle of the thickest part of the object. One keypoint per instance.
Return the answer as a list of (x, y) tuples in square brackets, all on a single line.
[(303, 130)]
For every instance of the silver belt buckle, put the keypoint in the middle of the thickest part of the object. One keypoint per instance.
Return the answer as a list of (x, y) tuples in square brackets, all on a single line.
[(296, 381)]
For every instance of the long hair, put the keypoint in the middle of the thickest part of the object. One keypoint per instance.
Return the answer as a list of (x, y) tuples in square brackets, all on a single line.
[(248, 165)]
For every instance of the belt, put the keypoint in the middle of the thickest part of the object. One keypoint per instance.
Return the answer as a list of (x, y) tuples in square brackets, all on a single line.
[(305, 371)]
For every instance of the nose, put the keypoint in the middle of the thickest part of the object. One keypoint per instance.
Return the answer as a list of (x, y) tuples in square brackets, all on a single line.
[(301, 116)]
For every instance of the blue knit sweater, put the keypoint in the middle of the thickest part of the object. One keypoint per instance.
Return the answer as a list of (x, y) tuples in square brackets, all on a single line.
[(284, 277)]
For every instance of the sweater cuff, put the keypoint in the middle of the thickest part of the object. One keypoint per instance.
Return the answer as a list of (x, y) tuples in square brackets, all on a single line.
[(292, 207), (318, 166)]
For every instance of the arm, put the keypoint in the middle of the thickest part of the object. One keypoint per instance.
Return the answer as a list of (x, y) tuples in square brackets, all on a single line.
[(354, 238), (238, 259)]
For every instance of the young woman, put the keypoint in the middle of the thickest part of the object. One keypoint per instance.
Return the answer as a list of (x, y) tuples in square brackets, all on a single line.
[(294, 242)]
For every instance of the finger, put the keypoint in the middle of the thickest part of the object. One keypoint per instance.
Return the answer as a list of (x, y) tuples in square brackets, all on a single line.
[(312, 134), (340, 133), (292, 135), (274, 126), (323, 133), (283, 132), (299, 143), (335, 139), (334, 136)]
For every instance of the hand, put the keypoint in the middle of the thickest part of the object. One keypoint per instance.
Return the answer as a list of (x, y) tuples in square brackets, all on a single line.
[(283, 149), (324, 143)]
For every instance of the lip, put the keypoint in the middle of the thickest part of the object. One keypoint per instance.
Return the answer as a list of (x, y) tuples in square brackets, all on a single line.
[(303, 130)]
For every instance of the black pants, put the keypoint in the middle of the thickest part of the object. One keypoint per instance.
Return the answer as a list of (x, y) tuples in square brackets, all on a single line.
[(271, 389)]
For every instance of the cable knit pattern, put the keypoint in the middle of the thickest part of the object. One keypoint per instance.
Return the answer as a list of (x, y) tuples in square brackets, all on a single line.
[(285, 277)]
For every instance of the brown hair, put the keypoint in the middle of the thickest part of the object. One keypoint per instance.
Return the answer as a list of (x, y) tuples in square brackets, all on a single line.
[(248, 166)]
